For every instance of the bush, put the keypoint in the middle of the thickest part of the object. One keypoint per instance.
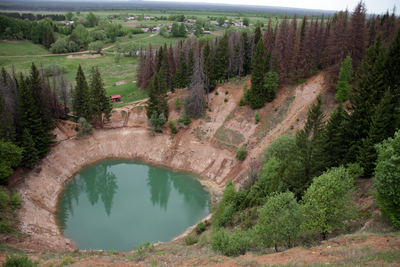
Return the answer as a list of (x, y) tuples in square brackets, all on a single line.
[(185, 121), (3, 197), (55, 69), (85, 128), (257, 117), (239, 243), (241, 153), (178, 103), (171, 124), (242, 102), (220, 241), (67, 260), (200, 228), (190, 240), (156, 122), (387, 178), (225, 99), (203, 240), (227, 215), (15, 200), (19, 261), (226, 92), (216, 93), (5, 227)]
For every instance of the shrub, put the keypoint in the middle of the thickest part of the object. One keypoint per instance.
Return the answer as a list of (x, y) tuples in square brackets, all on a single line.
[(257, 117), (203, 240), (55, 69), (190, 240), (5, 227), (227, 215), (115, 252), (15, 200), (19, 261), (185, 121), (220, 240), (143, 248), (242, 102), (178, 103), (239, 243), (200, 228), (387, 178), (85, 129), (171, 124), (225, 99), (216, 93), (241, 153), (67, 260), (3, 197), (226, 92), (156, 122)]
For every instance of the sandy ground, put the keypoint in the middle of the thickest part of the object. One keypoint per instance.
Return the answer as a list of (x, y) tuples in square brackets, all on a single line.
[(197, 148)]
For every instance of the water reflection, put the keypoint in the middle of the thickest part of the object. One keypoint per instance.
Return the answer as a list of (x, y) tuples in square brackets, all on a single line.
[(146, 203)]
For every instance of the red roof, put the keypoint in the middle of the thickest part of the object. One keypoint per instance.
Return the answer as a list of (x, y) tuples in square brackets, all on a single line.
[(115, 96)]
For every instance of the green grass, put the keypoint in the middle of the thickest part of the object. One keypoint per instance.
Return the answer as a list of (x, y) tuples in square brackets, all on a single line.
[(229, 135), (21, 48), (129, 93)]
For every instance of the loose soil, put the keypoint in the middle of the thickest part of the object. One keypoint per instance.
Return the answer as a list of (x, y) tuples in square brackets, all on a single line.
[(199, 147)]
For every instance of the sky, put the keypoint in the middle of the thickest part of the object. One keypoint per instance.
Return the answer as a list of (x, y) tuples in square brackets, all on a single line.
[(373, 6)]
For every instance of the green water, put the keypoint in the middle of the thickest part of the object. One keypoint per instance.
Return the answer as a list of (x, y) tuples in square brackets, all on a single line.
[(115, 204)]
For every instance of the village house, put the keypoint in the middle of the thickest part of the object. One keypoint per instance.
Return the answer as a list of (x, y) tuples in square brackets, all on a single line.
[(115, 98)]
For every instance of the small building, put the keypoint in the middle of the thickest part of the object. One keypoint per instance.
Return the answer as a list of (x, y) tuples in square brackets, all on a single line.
[(206, 32), (131, 18), (146, 30), (115, 98)]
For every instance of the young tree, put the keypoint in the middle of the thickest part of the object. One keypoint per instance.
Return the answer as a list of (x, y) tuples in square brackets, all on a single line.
[(82, 96), (182, 30), (100, 103), (327, 202), (307, 157), (175, 29), (279, 221), (10, 157), (345, 77), (30, 156), (387, 178), (257, 94)]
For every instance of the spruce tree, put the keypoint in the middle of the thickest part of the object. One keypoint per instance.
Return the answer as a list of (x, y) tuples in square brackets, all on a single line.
[(82, 97), (345, 77), (181, 73), (190, 67), (209, 80), (100, 103), (7, 130), (257, 94), (30, 156), (221, 63), (257, 35), (335, 137), (307, 158)]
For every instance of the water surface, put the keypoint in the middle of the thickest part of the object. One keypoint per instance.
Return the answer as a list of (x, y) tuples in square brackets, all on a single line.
[(115, 204)]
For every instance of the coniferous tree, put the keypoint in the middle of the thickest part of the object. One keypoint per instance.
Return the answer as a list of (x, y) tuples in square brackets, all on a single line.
[(257, 94), (335, 136), (257, 35), (246, 48), (83, 103), (190, 67), (221, 61), (195, 103), (308, 159), (30, 155), (357, 34), (7, 130), (345, 77), (209, 80), (181, 73), (100, 103)]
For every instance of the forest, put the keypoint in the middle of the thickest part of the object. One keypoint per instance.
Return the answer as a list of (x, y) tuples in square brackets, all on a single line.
[(302, 187)]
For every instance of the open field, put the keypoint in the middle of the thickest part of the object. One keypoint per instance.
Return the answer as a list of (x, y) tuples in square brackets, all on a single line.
[(21, 48)]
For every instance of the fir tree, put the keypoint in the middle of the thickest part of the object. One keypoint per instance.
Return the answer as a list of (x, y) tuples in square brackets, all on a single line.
[(190, 67), (209, 80), (257, 35), (82, 97), (7, 130), (345, 77), (100, 103), (335, 136), (221, 63), (308, 159), (30, 154), (257, 94), (181, 74)]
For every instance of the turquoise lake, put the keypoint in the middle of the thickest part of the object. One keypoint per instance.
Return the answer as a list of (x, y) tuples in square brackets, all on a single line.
[(116, 204)]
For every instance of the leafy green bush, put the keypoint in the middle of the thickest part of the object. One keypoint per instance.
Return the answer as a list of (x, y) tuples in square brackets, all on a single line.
[(15, 201), (227, 215), (115, 252), (190, 240), (241, 153), (226, 92), (220, 240), (185, 121), (55, 69), (203, 240), (171, 124), (200, 228), (239, 243), (216, 93), (5, 227), (143, 248), (67, 260), (387, 178), (85, 128), (178, 103), (225, 99), (4, 198), (257, 117), (156, 122), (242, 102), (19, 261)]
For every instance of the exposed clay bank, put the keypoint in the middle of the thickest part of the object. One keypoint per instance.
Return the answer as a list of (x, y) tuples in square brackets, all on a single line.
[(42, 186)]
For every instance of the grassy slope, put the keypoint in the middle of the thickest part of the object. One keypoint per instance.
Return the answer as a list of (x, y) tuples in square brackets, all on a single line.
[(21, 48)]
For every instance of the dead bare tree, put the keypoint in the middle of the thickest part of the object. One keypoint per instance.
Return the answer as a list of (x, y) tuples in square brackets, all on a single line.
[(195, 103)]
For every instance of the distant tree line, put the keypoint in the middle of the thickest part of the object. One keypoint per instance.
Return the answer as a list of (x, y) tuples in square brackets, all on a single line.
[(33, 17)]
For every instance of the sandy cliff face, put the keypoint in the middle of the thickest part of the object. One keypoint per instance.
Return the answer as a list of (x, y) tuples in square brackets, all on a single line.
[(206, 147)]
